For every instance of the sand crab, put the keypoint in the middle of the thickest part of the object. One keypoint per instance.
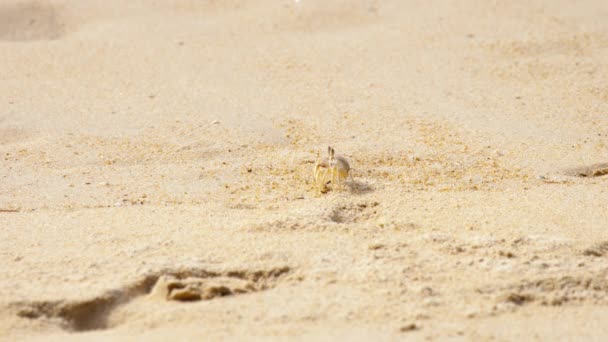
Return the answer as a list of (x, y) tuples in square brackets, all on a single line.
[(331, 171)]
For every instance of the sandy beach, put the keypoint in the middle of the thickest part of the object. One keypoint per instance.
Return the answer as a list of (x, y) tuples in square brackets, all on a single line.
[(156, 170)]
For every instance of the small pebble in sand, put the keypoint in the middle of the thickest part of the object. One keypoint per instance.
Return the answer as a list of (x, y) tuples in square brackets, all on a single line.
[(409, 327), (375, 246)]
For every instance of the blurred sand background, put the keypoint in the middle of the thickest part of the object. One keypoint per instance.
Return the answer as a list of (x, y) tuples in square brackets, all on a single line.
[(155, 147)]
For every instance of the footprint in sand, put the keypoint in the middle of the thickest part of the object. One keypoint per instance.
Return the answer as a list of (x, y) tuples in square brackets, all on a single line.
[(171, 285)]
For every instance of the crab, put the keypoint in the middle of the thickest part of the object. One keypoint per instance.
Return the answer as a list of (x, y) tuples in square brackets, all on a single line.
[(331, 171)]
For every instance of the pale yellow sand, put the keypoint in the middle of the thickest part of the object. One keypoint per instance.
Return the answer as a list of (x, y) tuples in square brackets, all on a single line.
[(175, 140)]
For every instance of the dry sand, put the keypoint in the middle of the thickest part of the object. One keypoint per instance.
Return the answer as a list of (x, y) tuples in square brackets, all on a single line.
[(154, 152)]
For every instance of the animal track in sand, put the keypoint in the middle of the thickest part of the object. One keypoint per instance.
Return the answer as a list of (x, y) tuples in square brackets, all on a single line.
[(172, 285), (33, 20), (597, 250), (324, 219), (353, 212), (553, 291), (595, 170)]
